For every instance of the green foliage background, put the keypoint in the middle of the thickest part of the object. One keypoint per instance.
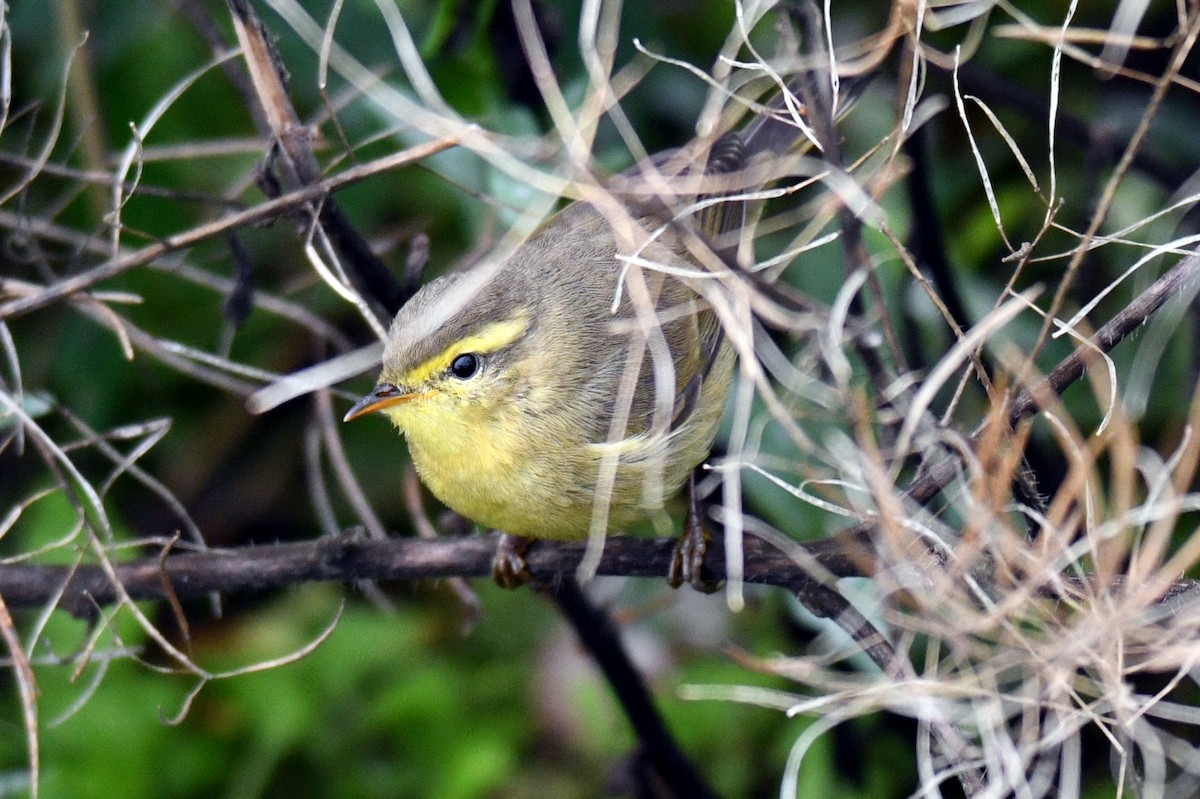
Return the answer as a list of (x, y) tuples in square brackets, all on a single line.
[(397, 702)]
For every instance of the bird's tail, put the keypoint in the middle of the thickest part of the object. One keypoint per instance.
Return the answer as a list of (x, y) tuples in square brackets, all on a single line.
[(780, 128)]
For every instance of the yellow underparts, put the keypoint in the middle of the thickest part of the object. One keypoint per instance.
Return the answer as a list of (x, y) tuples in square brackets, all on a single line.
[(481, 465), (492, 469)]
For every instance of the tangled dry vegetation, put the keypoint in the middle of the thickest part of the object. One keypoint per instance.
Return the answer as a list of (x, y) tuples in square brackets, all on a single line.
[(962, 320)]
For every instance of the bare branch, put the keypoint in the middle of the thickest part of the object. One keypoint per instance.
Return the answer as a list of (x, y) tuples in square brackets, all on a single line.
[(72, 285), (348, 559)]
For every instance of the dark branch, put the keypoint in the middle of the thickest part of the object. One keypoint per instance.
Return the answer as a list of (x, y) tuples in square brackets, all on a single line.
[(599, 636), (349, 558), (1061, 377), (1129, 319), (367, 272)]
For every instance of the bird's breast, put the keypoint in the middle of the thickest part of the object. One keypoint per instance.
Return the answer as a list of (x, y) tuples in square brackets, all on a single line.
[(494, 470)]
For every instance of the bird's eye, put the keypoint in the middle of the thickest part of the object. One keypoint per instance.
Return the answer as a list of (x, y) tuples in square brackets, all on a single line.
[(464, 366)]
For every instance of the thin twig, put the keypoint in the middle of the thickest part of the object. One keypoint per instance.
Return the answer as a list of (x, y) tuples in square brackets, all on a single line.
[(1129, 319), (267, 210)]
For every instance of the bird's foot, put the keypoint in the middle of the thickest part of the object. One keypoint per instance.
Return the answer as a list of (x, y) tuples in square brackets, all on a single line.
[(687, 563), (687, 560), (509, 568)]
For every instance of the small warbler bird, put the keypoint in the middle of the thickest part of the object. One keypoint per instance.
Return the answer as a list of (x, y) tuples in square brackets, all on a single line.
[(565, 388)]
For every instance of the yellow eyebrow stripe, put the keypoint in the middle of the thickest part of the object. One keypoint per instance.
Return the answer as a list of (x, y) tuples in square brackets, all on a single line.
[(491, 338)]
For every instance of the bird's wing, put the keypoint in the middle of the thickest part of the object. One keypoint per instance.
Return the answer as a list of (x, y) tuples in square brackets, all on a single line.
[(728, 156)]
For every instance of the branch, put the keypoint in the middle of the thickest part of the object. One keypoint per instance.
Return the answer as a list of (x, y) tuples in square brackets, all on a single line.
[(1129, 319), (80, 589), (1061, 377), (368, 274), (348, 558), (65, 287), (600, 637)]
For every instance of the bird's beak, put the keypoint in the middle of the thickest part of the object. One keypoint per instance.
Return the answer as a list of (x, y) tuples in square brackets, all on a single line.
[(384, 395)]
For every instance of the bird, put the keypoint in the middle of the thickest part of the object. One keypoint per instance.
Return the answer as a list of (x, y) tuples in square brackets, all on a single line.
[(564, 388)]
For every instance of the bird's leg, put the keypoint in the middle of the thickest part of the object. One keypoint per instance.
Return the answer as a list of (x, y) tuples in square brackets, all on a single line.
[(509, 568), (687, 561)]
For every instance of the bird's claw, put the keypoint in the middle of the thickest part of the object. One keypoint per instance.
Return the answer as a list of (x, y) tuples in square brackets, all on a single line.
[(509, 568), (687, 559)]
